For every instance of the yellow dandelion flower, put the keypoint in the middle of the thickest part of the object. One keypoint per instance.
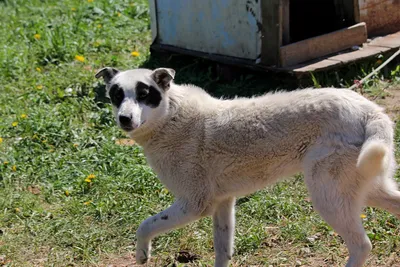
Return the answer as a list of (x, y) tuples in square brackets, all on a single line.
[(38, 69), (99, 26), (1, 140), (87, 180), (17, 210), (14, 168), (66, 193), (24, 116), (73, 9), (14, 124), (164, 190), (118, 14), (91, 176), (135, 54), (39, 87), (87, 202), (90, 1), (6, 162), (37, 36), (363, 216), (80, 58)]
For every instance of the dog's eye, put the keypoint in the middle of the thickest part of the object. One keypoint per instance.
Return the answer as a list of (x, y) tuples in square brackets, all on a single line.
[(116, 95), (142, 94)]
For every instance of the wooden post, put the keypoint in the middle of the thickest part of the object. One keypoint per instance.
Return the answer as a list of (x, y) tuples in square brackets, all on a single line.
[(271, 37), (345, 12), (285, 22), (356, 7)]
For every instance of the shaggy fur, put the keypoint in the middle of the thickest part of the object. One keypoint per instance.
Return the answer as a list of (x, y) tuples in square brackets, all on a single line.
[(209, 151)]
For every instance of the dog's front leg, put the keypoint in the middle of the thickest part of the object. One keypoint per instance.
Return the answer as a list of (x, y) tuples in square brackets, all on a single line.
[(177, 215), (224, 227)]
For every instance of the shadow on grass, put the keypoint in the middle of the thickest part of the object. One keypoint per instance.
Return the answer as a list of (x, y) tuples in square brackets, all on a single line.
[(217, 79), (228, 81), (221, 80)]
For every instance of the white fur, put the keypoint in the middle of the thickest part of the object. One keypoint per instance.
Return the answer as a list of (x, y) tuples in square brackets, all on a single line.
[(209, 151)]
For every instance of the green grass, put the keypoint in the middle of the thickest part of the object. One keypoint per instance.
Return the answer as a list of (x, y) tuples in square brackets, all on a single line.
[(51, 216)]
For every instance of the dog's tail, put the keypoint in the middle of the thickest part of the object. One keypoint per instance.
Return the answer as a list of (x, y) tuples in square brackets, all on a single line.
[(375, 154)]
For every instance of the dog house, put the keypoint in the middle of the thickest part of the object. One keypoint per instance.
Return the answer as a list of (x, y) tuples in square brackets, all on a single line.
[(270, 34)]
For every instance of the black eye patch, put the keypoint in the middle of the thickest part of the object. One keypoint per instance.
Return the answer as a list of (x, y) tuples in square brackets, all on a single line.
[(116, 95), (147, 95)]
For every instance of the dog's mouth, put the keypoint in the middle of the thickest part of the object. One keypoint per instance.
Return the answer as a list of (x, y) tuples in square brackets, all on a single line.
[(130, 128), (127, 128)]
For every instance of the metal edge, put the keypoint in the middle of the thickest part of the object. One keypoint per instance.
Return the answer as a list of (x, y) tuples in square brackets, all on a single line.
[(153, 19)]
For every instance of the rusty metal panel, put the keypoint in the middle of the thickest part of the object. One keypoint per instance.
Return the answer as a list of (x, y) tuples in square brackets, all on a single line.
[(382, 16), (224, 27)]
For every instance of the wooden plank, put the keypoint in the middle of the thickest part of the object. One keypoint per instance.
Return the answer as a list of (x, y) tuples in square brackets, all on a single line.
[(382, 16), (366, 52), (323, 45), (339, 60), (390, 41), (319, 65), (271, 37), (285, 22)]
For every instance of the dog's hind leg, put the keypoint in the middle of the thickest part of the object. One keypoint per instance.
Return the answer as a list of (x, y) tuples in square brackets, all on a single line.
[(337, 193), (177, 215), (224, 227)]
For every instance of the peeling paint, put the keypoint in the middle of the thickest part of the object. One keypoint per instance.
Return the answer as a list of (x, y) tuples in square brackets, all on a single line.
[(225, 27), (251, 19)]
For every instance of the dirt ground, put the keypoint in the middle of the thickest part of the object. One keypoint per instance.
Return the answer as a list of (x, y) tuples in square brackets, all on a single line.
[(391, 102)]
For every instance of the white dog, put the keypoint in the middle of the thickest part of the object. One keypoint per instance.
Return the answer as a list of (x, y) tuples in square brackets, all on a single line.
[(209, 151)]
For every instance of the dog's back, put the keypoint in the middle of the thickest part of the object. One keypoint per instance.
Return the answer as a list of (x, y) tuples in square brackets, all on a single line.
[(259, 140)]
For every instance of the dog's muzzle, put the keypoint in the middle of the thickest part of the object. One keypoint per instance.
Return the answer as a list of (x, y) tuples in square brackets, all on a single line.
[(125, 123)]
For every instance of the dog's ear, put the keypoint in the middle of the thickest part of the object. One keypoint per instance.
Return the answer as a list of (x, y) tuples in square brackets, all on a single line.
[(163, 77), (107, 73)]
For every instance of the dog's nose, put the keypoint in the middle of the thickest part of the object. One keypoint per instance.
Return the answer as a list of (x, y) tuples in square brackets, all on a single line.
[(125, 120)]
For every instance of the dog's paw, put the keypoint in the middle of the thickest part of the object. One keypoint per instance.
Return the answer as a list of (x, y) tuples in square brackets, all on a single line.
[(142, 256)]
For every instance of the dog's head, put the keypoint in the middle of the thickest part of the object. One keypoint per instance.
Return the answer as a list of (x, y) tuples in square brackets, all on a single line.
[(138, 96)]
